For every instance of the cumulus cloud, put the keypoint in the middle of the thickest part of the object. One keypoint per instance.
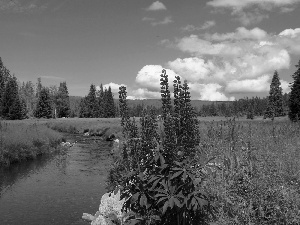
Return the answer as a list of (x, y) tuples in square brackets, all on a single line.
[(149, 77), (285, 86), (290, 33), (259, 84), (241, 33), (144, 93), (114, 87), (253, 11), (223, 64), (208, 24), (156, 6), (210, 92)]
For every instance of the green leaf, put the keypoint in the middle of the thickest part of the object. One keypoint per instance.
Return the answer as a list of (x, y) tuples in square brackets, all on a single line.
[(177, 202), (177, 174), (165, 207), (143, 200), (171, 202), (134, 197)]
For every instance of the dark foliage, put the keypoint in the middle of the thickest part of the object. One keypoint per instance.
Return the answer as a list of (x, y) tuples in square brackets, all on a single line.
[(43, 108), (275, 98), (294, 100)]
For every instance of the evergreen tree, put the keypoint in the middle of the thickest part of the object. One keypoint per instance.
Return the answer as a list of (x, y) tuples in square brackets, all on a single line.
[(27, 94), (110, 110), (16, 109), (101, 103), (4, 78), (91, 103), (84, 111), (275, 99), (39, 87), (43, 108), (62, 101), (9, 97), (294, 98)]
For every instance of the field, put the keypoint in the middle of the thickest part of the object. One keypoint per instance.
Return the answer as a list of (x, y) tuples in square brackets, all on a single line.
[(26, 139), (258, 172)]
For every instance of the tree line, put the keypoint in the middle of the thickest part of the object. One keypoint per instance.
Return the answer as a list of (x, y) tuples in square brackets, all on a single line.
[(98, 103), (25, 100)]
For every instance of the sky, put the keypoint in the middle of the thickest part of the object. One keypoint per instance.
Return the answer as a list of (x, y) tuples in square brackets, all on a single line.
[(225, 49)]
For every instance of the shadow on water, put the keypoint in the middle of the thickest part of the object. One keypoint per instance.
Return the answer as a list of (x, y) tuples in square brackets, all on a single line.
[(55, 189)]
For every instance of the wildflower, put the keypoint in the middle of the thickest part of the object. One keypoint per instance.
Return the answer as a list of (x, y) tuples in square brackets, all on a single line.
[(110, 210)]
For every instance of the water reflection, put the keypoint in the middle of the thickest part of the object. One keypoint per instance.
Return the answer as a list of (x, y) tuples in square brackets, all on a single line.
[(57, 189)]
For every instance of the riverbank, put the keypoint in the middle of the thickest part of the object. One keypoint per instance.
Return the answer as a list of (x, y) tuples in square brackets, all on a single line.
[(56, 189), (25, 140)]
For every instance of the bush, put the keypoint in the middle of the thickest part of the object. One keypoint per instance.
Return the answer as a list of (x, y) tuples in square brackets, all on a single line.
[(234, 173)]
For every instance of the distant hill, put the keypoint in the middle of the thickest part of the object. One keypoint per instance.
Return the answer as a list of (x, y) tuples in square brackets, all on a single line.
[(157, 102), (75, 102)]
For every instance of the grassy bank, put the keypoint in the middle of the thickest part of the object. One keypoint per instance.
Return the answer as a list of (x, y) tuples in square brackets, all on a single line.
[(253, 176), (106, 126), (26, 139)]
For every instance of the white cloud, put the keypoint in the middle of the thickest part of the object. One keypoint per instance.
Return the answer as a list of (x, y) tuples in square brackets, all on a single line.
[(290, 32), (210, 92), (166, 20), (241, 33), (114, 87), (240, 4), (149, 77), (260, 84), (208, 24), (220, 65), (155, 6), (144, 93), (285, 86), (192, 69), (253, 11)]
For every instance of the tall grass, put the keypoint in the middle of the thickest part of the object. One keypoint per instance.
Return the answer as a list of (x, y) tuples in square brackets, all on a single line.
[(79, 125), (255, 175), (259, 178), (23, 140)]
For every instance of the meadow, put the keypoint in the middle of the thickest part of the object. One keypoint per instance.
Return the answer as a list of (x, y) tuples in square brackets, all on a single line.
[(25, 140), (254, 171), (248, 169)]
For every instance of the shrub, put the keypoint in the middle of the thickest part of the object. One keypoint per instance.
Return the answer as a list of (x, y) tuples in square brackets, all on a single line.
[(159, 172)]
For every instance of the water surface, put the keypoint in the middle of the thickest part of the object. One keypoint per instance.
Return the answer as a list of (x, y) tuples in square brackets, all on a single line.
[(55, 189)]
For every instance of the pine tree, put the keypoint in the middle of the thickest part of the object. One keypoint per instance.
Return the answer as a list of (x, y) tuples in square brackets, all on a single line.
[(62, 101), (91, 103), (109, 103), (16, 109), (9, 96), (275, 99), (43, 108), (101, 105), (4, 78), (39, 87), (294, 99)]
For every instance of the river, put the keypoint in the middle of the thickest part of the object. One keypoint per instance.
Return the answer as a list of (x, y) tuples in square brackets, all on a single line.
[(55, 189)]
